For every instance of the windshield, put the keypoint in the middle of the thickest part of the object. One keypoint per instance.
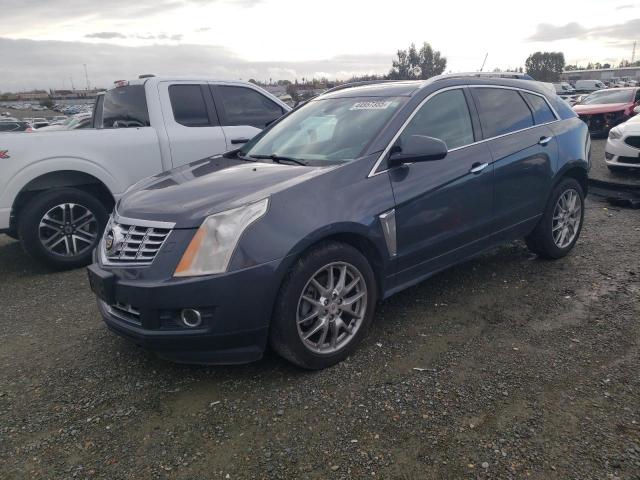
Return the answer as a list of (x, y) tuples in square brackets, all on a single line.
[(608, 96), (333, 129)]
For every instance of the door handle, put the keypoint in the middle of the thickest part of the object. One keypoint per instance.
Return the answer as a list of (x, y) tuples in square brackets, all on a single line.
[(478, 167), (236, 141), (544, 140)]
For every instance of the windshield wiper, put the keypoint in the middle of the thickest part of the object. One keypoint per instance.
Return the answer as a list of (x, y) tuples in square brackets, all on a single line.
[(245, 158), (279, 159)]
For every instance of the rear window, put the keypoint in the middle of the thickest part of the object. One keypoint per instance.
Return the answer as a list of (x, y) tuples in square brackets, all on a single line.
[(502, 111), (189, 107), (125, 107)]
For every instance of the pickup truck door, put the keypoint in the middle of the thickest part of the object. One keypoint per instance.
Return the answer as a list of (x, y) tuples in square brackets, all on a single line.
[(191, 121), (243, 111)]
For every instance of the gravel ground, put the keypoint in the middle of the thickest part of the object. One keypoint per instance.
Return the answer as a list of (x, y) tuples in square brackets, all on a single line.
[(503, 367)]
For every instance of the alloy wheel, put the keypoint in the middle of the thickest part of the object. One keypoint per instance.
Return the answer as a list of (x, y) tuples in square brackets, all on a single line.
[(331, 308), (68, 230), (567, 216)]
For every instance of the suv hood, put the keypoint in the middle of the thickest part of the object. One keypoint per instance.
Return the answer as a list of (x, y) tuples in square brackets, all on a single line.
[(600, 108), (187, 195)]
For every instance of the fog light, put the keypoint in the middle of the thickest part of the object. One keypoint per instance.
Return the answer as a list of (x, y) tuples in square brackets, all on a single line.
[(191, 317), (608, 156)]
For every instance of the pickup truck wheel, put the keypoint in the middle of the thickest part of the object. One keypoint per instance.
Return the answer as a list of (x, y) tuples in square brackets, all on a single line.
[(561, 223), (325, 307), (60, 228)]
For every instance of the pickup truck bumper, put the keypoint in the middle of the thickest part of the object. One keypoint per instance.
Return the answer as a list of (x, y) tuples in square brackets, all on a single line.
[(235, 310)]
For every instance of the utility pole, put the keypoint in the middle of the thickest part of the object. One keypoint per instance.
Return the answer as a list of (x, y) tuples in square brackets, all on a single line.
[(72, 87), (633, 55), (485, 61), (86, 75)]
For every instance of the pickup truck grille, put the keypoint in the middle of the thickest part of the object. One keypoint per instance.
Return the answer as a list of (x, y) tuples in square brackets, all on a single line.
[(131, 242)]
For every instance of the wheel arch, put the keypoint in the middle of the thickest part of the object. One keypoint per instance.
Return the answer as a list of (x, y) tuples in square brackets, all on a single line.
[(577, 171), (61, 179)]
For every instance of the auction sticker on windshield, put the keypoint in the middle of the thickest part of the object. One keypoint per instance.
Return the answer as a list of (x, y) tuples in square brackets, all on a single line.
[(4, 154), (371, 105)]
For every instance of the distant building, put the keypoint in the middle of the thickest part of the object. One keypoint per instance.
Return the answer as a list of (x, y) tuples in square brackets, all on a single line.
[(603, 74), (74, 94), (32, 96)]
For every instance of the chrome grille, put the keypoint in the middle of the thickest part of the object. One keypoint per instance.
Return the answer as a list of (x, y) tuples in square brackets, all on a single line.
[(134, 242)]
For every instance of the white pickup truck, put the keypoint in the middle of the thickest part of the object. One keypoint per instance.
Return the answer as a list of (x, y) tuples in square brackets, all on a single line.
[(56, 188)]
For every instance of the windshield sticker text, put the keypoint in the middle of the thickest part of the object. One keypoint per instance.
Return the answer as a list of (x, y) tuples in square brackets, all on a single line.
[(370, 105)]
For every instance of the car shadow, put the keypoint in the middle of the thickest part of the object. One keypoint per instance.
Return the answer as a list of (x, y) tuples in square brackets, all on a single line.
[(13, 259)]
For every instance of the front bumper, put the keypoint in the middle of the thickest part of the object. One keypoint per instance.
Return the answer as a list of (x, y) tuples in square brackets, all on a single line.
[(236, 311), (619, 154)]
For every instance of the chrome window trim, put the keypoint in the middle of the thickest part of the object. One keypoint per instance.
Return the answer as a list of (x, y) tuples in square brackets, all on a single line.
[(385, 152)]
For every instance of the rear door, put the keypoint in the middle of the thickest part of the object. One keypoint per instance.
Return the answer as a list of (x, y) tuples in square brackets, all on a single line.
[(191, 121), (515, 124), (444, 207), (244, 112)]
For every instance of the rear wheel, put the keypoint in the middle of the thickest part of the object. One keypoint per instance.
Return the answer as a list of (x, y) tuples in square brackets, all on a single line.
[(60, 228), (325, 306), (561, 223)]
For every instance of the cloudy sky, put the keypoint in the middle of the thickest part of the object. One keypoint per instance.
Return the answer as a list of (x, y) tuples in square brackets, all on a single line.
[(44, 43)]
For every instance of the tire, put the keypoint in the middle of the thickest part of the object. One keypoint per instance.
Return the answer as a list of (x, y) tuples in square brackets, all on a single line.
[(50, 218), (542, 240), (286, 333)]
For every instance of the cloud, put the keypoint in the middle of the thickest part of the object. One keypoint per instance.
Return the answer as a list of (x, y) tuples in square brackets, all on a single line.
[(203, 29), (28, 64), (105, 35), (616, 34), (623, 7)]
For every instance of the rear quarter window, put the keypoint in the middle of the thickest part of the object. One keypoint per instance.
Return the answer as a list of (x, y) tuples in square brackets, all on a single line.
[(541, 111)]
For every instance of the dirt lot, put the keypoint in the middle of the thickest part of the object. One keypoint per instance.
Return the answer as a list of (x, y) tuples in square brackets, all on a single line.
[(527, 369)]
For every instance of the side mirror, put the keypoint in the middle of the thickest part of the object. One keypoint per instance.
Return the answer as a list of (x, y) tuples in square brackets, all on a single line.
[(417, 148), (637, 109)]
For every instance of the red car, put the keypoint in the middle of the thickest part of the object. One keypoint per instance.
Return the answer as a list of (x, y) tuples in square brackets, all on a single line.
[(604, 109)]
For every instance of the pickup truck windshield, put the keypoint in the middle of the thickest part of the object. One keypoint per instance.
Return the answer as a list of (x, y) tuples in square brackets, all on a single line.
[(124, 107), (333, 129), (608, 96)]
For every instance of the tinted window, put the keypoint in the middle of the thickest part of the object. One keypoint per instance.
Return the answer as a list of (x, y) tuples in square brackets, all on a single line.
[(189, 108), (446, 116), (541, 111), (125, 107), (502, 111), (8, 127), (245, 106)]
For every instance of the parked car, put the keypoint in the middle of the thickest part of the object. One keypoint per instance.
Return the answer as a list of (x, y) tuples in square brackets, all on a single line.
[(358, 194), (81, 120), (587, 86), (57, 188), (605, 109), (563, 88), (622, 150), (39, 123), (14, 126)]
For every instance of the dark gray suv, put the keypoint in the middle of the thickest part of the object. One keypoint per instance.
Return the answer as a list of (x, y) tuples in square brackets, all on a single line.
[(354, 196)]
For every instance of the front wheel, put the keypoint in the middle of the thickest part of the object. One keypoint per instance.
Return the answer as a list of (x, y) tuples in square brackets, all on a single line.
[(561, 223), (325, 306), (60, 228)]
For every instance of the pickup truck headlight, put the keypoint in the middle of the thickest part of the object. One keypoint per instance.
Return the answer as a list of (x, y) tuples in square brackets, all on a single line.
[(213, 244), (615, 134)]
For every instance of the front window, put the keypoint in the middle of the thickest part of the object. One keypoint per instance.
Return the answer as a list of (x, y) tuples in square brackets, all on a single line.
[(326, 130), (608, 96)]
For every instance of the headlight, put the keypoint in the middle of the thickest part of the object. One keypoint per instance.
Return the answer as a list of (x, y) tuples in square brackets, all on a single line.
[(615, 134), (213, 244)]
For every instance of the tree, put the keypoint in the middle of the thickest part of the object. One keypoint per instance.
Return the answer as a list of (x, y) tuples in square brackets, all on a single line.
[(413, 64), (545, 66)]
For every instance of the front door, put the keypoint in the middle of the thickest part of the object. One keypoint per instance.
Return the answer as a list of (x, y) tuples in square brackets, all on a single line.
[(443, 207)]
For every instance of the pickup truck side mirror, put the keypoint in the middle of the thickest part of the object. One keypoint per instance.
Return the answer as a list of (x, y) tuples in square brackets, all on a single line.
[(417, 148)]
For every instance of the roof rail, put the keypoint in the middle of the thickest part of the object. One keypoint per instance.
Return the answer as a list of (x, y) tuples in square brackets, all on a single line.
[(514, 75), (357, 84)]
